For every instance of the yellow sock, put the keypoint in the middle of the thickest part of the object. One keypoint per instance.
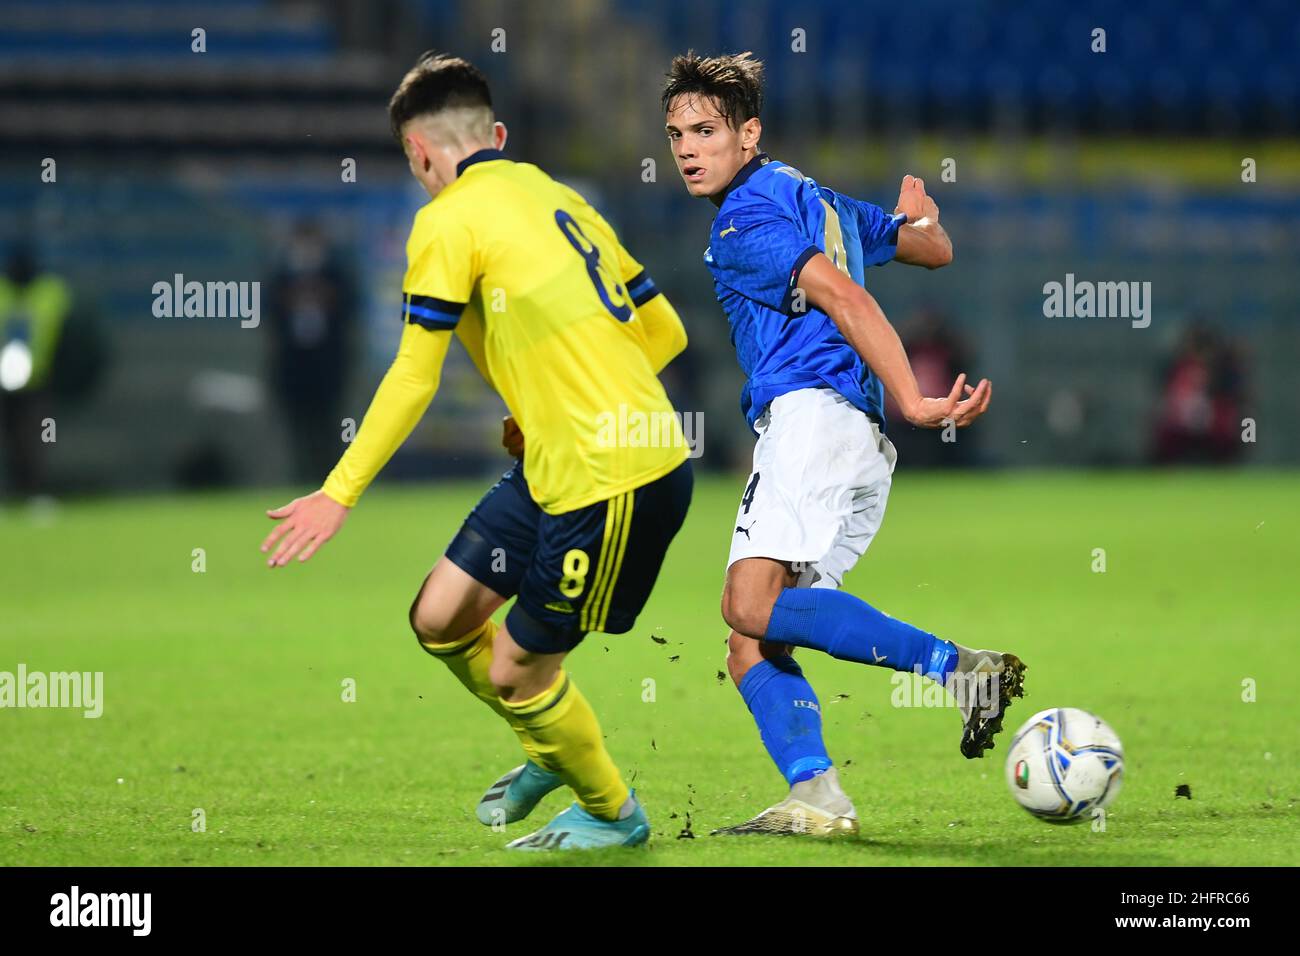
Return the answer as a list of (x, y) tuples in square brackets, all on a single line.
[(470, 658), (563, 727)]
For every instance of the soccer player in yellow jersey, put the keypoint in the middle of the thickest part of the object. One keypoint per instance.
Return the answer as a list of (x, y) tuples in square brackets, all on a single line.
[(567, 327)]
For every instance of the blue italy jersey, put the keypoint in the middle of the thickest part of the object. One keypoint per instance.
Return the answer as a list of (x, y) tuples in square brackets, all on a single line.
[(772, 220)]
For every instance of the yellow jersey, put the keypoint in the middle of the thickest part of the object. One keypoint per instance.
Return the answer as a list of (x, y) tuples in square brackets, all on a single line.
[(561, 320)]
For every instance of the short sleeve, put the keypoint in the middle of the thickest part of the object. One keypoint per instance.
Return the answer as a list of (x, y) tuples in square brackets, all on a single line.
[(443, 266), (877, 231), (759, 252)]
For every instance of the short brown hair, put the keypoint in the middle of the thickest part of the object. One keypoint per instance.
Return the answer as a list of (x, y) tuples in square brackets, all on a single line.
[(437, 82), (734, 82)]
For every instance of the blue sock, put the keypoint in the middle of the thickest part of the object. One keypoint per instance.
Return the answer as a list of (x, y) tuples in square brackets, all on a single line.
[(789, 717), (850, 629)]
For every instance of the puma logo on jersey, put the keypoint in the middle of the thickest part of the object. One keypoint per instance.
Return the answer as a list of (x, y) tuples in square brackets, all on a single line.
[(731, 228), (746, 530)]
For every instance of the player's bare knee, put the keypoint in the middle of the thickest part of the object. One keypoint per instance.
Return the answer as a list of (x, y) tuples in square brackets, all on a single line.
[(433, 621), (746, 612), (427, 624), (752, 589), (450, 605)]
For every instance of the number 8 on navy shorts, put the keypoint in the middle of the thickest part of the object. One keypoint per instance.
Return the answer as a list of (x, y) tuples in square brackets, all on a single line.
[(586, 570)]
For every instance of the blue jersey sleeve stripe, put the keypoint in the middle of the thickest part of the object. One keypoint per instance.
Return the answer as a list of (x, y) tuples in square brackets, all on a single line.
[(430, 304), (799, 263), (430, 319), (643, 293), (641, 298), (641, 288)]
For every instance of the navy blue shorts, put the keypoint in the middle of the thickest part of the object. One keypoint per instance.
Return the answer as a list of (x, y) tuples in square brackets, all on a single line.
[(586, 570)]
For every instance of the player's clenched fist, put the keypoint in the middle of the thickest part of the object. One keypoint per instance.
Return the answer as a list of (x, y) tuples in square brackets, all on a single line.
[(512, 437), (929, 208), (306, 524), (915, 202), (912, 199)]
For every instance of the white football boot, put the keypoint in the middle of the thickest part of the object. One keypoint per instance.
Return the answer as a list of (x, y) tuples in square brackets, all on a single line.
[(817, 807), (983, 684)]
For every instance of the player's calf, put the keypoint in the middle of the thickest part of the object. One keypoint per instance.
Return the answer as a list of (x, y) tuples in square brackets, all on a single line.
[(518, 673), (745, 652), (547, 703)]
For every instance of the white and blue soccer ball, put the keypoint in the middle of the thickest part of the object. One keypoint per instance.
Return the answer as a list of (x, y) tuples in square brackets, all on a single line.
[(1064, 765)]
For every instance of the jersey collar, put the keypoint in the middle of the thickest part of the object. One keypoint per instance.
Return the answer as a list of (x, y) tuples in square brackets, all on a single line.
[(482, 156), (751, 167)]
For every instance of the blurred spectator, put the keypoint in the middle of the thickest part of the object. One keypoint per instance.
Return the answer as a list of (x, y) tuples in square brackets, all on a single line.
[(312, 309), (1200, 401), (938, 356), (34, 306)]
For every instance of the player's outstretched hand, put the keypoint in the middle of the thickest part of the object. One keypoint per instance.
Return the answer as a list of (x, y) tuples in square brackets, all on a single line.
[(938, 412), (912, 199), (512, 437), (308, 522)]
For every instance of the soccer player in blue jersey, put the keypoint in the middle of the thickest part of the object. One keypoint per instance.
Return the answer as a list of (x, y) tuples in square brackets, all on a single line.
[(787, 257)]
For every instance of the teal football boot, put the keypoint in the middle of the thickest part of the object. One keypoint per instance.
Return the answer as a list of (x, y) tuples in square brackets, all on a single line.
[(513, 796), (576, 829)]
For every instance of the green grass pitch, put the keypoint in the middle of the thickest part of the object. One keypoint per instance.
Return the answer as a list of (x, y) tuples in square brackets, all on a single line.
[(223, 689)]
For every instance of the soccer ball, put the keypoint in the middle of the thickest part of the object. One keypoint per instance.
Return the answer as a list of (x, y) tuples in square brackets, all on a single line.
[(1064, 764)]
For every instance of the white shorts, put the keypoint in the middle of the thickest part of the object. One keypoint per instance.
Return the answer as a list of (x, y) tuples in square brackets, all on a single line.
[(817, 494)]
